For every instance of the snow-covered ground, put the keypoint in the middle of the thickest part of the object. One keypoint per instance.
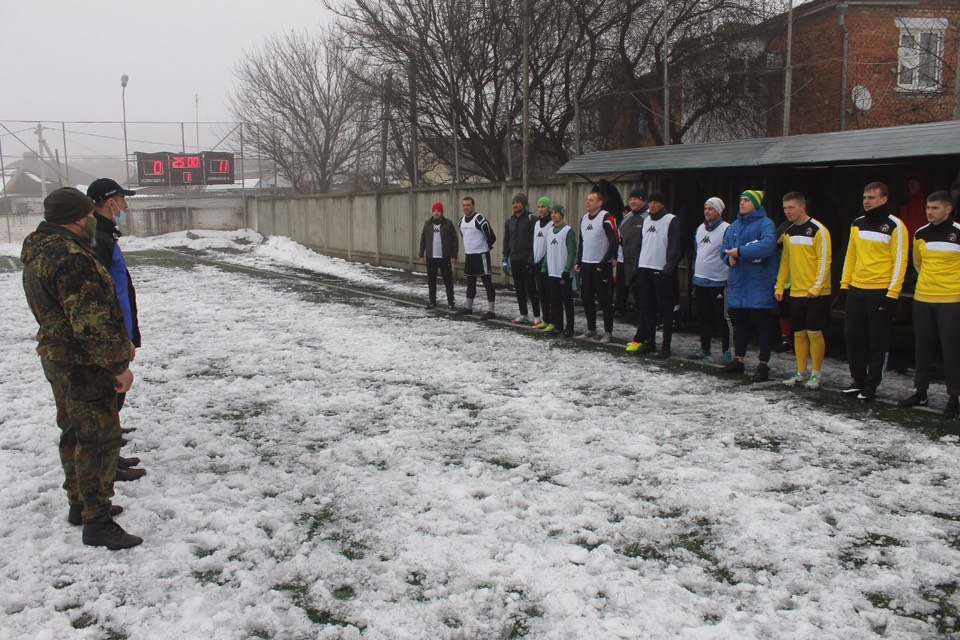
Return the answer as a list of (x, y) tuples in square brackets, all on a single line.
[(323, 464)]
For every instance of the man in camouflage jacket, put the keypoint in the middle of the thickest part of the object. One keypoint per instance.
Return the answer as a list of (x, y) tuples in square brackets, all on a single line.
[(85, 353)]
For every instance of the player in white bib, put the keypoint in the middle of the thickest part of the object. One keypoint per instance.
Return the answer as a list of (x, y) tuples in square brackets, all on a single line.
[(478, 239)]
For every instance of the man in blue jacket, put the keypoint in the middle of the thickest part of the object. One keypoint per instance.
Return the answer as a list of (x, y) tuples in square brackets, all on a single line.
[(110, 209), (750, 249)]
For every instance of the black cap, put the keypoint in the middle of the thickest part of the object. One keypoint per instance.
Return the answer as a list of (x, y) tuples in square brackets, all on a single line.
[(103, 188), (657, 196), (639, 192)]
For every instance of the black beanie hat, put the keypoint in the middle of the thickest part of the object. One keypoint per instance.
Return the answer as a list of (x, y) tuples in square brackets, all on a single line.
[(66, 205), (657, 196), (639, 192), (521, 198)]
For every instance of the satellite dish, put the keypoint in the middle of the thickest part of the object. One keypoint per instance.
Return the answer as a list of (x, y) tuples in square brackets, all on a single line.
[(861, 98)]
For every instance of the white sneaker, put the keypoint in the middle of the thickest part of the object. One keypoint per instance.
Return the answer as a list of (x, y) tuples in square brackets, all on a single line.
[(798, 378), (588, 335), (521, 320), (537, 320), (607, 337), (813, 382)]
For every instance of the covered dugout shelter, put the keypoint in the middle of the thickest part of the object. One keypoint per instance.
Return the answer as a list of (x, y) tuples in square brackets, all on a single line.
[(830, 169)]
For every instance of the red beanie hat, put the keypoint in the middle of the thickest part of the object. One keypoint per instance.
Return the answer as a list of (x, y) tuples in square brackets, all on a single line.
[(437, 206)]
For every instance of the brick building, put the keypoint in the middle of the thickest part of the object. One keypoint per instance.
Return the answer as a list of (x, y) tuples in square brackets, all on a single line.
[(866, 64)]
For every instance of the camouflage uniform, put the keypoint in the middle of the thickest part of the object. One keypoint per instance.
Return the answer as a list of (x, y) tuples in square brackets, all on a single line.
[(83, 345)]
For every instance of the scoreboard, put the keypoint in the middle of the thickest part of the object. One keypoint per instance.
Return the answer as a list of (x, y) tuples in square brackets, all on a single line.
[(178, 169)]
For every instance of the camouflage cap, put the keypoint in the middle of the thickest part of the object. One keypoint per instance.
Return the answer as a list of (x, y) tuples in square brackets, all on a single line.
[(66, 205)]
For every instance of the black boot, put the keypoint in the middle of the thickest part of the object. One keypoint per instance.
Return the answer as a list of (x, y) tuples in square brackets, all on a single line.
[(126, 475), (128, 462), (953, 407), (734, 367), (762, 374), (75, 516), (107, 533)]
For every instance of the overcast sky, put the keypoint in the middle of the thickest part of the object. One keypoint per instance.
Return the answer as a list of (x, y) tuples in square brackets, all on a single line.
[(62, 59)]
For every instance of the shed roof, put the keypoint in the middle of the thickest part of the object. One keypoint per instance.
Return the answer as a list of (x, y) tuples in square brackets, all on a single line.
[(863, 146)]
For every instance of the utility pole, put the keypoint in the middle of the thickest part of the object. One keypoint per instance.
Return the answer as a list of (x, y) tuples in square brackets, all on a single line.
[(666, 82), (196, 98), (43, 164), (384, 128), (526, 92), (788, 76), (414, 140)]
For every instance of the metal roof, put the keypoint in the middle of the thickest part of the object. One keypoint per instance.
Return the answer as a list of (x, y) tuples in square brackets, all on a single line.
[(862, 146)]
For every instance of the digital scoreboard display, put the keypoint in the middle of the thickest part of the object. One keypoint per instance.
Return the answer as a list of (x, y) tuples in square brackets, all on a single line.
[(184, 169)]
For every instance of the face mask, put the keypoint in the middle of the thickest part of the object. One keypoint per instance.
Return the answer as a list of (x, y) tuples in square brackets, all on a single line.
[(120, 218), (90, 226)]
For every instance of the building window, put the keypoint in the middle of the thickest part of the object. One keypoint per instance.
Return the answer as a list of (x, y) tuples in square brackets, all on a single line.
[(920, 64)]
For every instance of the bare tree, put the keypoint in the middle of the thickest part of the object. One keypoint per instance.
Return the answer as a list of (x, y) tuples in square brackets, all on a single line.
[(304, 95), (465, 59)]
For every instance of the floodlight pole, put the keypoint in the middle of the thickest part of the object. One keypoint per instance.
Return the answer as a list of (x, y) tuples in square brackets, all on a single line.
[(126, 154)]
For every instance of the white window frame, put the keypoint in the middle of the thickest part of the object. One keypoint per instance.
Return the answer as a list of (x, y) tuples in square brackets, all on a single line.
[(910, 59)]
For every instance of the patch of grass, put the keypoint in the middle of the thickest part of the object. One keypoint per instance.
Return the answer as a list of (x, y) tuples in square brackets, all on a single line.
[(415, 579), (589, 546), (453, 623), (854, 556), (207, 577), (473, 410), (353, 551), (754, 441), (695, 541), (643, 551), (83, 621), (945, 615), (299, 596), (503, 463), (345, 592), (315, 522)]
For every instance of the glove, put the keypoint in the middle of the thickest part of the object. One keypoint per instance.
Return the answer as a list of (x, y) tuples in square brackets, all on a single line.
[(565, 275), (842, 299), (506, 265), (887, 306)]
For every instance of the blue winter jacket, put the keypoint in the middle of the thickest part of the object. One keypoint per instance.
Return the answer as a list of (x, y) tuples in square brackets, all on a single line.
[(753, 278)]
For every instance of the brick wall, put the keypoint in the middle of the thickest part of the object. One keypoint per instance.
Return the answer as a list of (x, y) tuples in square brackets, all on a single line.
[(874, 39)]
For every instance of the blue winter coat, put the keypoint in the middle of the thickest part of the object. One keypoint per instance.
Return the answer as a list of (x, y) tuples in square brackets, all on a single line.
[(753, 278)]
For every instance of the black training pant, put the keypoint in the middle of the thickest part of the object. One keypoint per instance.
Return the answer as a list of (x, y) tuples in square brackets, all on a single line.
[(742, 318), (542, 281), (867, 332), (933, 321), (443, 266), (657, 291), (525, 284), (561, 302), (487, 285), (621, 289), (594, 289), (711, 315)]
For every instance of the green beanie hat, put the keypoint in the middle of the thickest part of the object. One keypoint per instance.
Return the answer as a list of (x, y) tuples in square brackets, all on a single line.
[(559, 209), (545, 201), (754, 196)]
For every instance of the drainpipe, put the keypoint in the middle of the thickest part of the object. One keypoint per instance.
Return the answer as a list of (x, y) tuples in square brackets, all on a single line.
[(956, 87), (842, 10)]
